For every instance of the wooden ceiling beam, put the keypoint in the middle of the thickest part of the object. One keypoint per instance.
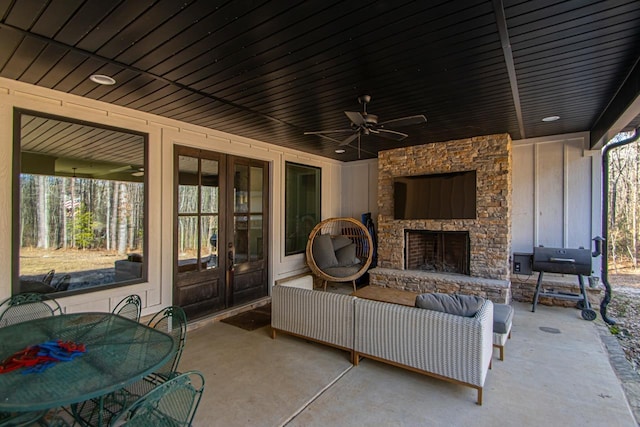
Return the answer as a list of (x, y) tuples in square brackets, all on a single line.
[(501, 22)]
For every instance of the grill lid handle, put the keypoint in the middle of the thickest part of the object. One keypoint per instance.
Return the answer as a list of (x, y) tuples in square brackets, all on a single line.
[(566, 260)]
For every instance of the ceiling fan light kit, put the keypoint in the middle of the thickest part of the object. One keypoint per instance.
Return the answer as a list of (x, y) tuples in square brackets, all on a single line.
[(363, 123)]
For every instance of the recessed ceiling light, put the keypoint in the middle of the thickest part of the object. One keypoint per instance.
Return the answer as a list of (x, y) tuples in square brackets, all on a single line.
[(340, 151), (102, 79), (551, 119)]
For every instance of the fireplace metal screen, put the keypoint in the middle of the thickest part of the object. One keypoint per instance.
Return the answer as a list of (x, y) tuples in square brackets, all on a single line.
[(438, 251)]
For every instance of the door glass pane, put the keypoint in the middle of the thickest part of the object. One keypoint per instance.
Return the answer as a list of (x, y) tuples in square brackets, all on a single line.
[(209, 239), (255, 238), (187, 184), (241, 188), (240, 238), (187, 243), (209, 190), (256, 190)]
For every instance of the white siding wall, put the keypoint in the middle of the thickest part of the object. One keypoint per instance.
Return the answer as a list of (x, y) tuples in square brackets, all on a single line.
[(556, 193), (163, 134), (360, 189)]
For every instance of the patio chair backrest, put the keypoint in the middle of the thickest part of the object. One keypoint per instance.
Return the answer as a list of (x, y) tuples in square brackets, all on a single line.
[(172, 403), (63, 283), (173, 321), (129, 307), (27, 306), (48, 277)]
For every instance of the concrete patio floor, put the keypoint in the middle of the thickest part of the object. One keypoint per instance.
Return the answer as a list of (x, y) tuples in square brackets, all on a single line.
[(556, 372)]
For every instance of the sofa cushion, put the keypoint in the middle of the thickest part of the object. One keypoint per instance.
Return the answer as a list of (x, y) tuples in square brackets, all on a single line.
[(346, 256), (340, 242), (323, 253), (460, 305)]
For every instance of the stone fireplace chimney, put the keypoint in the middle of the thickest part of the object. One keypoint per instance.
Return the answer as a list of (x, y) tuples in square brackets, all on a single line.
[(489, 232)]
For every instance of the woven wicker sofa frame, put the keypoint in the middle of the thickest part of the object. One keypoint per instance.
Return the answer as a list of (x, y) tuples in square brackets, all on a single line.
[(444, 346)]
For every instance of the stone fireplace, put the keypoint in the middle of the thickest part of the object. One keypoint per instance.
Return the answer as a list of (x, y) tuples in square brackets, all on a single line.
[(487, 272), (437, 251)]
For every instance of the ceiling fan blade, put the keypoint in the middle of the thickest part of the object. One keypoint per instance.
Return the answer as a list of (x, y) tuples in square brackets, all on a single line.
[(322, 135), (320, 132), (405, 121), (121, 169), (355, 117), (392, 134), (350, 139)]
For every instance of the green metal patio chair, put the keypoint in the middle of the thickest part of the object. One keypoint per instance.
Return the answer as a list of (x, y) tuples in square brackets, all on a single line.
[(172, 403), (171, 320), (129, 307), (21, 419), (27, 306)]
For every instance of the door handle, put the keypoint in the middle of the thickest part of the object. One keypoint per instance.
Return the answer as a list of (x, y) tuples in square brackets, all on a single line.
[(231, 256)]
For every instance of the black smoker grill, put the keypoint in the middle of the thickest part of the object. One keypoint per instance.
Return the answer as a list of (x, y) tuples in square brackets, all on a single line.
[(564, 261)]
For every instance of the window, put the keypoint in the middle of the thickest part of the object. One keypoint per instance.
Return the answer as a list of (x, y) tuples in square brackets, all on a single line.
[(302, 205), (198, 213), (79, 205)]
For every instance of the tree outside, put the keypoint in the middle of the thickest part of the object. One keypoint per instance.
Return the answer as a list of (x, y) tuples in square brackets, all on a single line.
[(67, 219)]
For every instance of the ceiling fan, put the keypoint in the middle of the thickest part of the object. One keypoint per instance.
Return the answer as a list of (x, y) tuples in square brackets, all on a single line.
[(133, 170), (366, 124)]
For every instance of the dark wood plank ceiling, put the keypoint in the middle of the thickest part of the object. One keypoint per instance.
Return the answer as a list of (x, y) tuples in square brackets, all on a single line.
[(271, 70)]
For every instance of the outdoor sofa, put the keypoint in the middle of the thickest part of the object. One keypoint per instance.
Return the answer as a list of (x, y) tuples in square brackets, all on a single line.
[(445, 346)]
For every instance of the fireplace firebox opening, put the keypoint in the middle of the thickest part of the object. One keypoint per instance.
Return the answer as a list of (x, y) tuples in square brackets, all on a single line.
[(437, 251)]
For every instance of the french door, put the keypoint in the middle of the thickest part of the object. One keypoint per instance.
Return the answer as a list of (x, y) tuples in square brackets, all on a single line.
[(221, 230)]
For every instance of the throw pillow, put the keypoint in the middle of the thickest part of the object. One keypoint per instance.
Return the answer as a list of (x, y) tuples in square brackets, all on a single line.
[(340, 242), (460, 305), (346, 256), (323, 253)]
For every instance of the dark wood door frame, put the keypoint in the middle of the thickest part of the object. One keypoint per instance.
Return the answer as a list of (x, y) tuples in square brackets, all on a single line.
[(202, 290)]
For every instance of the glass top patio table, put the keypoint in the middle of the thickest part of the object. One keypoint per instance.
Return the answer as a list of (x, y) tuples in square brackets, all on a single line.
[(119, 352)]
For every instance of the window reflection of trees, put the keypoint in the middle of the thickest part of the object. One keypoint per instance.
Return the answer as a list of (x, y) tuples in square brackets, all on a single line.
[(81, 205)]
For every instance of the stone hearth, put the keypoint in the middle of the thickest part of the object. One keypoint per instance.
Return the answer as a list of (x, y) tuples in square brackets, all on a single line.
[(489, 232), (421, 282)]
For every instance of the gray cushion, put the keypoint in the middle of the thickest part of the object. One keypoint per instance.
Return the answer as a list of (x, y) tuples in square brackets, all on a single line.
[(342, 271), (502, 318), (460, 305), (323, 253), (340, 242), (346, 256)]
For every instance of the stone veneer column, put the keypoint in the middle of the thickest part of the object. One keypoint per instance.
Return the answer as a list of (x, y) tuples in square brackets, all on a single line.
[(489, 234)]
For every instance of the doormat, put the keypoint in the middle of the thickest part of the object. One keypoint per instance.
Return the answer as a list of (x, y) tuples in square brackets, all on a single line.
[(252, 319)]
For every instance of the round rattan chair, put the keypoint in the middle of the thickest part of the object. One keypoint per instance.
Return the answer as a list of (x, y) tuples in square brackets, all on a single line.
[(339, 250)]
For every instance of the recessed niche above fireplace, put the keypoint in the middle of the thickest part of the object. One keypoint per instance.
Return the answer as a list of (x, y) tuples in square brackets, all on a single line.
[(437, 196)]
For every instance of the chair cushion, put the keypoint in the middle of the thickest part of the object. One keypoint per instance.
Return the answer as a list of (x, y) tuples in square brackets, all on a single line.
[(460, 305), (346, 256), (343, 271), (502, 318), (340, 242), (323, 253)]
